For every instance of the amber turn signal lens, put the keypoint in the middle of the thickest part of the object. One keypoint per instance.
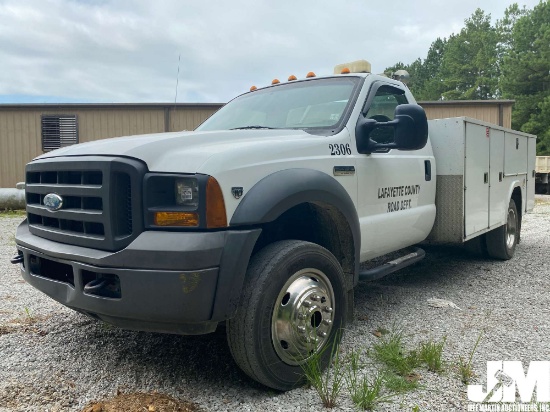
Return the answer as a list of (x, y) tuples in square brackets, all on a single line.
[(345, 70), (187, 219), (310, 74), (253, 88), (275, 81), (215, 206), (292, 77)]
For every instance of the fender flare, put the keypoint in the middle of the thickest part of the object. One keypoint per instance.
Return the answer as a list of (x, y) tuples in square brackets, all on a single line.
[(516, 184), (280, 191)]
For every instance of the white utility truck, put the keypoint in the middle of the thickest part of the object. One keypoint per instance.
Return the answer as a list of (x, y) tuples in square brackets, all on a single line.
[(260, 218)]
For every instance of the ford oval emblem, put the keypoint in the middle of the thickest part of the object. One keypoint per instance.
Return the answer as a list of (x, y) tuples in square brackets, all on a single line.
[(53, 201)]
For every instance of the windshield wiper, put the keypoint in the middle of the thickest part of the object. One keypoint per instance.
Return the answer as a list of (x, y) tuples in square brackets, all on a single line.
[(252, 127)]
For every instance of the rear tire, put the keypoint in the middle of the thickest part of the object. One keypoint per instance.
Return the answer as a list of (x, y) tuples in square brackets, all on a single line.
[(502, 241), (293, 305)]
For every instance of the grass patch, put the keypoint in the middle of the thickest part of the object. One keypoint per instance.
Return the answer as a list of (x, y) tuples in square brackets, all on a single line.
[(395, 373), (430, 354), (13, 213), (464, 365), (401, 384), (367, 393), (328, 385), (390, 352)]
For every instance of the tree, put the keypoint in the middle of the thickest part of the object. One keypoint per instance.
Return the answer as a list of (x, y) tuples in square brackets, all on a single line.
[(432, 80), (526, 73), (469, 67), (425, 80)]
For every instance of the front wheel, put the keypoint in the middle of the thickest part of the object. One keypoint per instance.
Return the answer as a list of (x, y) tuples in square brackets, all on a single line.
[(292, 307), (502, 241)]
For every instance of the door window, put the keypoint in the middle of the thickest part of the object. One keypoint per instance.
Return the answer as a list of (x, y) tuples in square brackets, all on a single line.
[(382, 109)]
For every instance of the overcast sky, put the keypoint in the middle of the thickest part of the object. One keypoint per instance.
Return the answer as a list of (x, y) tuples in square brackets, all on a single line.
[(127, 50)]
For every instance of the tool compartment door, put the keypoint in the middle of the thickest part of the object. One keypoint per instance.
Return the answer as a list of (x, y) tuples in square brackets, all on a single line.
[(476, 171), (498, 190), (531, 156)]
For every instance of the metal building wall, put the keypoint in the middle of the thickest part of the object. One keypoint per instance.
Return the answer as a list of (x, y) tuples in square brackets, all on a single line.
[(498, 112), (21, 138), (18, 144)]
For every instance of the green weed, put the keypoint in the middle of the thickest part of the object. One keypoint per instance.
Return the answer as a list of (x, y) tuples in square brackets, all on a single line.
[(328, 385), (12, 213), (465, 370), (391, 353), (400, 384), (366, 393), (430, 354), (30, 318)]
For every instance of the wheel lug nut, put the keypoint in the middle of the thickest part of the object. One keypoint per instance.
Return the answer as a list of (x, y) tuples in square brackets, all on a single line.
[(315, 297), (322, 334), (301, 329), (328, 309), (301, 316), (327, 322), (307, 304)]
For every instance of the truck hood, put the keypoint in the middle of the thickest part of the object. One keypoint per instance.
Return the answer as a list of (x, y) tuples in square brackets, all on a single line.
[(183, 152)]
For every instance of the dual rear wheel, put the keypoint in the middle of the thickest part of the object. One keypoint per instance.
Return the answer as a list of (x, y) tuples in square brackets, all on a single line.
[(502, 241)]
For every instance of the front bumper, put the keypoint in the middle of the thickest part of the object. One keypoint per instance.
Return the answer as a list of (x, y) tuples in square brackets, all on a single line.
[(174, 282)]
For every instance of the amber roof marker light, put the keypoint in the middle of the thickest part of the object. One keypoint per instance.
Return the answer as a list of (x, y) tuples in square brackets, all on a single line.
[(275, 81), (252, 88), (310, 74), (345, 70), (291, 78)]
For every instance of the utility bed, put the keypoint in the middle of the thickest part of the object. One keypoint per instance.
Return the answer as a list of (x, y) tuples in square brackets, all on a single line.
[(477, 165)]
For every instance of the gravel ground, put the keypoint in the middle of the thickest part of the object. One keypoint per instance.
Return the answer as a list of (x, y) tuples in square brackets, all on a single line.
[(54, 359)]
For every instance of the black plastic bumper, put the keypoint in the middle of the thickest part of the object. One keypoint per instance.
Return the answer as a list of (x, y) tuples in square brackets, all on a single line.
[(174, 282)]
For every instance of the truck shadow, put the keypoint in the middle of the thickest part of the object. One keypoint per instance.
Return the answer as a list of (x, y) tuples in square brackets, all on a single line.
[(447, 272), (160, 362)]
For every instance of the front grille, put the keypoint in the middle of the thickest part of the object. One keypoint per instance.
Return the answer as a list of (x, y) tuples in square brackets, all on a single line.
[(101, 200)]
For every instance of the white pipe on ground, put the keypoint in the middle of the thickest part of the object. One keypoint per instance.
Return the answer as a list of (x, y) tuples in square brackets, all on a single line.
[(13, 198)]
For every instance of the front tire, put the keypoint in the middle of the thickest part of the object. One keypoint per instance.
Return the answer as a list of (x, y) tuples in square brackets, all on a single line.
[(293, 306), (502, 241)]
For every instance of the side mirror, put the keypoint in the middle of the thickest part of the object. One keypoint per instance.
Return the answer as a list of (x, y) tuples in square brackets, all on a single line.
[(410, 130)]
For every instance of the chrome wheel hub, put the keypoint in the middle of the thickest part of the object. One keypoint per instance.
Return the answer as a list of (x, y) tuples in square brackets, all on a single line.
[(303, 316), (511, 229)]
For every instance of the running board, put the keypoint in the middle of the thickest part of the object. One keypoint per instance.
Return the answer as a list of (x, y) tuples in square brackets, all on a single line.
[(392, 266)]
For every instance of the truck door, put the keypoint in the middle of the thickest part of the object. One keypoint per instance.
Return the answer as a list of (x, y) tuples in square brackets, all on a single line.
[(396, 189)]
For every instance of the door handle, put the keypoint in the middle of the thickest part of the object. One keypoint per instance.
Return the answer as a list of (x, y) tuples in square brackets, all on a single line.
[(486, 177), (427, 170)]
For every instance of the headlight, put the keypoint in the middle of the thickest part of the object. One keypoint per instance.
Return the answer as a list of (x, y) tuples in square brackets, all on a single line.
[(187, 192), (176, 201)]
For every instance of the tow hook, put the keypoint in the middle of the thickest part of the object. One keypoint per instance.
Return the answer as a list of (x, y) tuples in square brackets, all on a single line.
[(17, 259), (95, 285), (107, 286)]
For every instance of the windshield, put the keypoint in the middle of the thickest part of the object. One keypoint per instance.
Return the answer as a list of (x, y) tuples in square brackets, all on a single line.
[(312, 104)]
